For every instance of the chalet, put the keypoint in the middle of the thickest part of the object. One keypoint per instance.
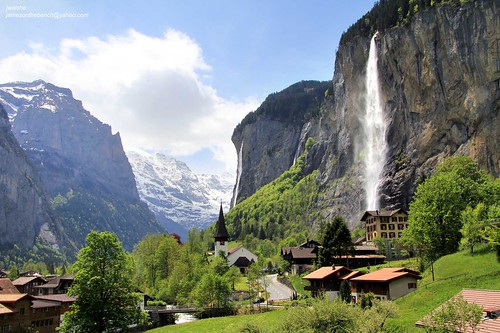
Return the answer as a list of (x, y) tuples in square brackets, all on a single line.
[(56, 285), (326, 280), (301, 258), (489, 301), (241, 258), (386, 283), (28, 284), (3, 273), (21, 312), (384, 224), (364, 255)]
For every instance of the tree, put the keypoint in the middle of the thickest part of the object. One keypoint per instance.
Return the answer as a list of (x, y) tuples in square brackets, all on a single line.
[(472, 225), (13, 272), (434, 220), (105, 298), (456, 315), (233, 275), (336, 240), (345, 291)]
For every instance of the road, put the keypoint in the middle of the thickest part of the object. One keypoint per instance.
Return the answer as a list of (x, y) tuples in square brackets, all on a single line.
[(276, 289)]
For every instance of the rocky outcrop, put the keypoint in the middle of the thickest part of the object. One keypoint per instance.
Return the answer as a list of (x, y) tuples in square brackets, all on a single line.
[(440, 83), (269, 139), (24, 209)]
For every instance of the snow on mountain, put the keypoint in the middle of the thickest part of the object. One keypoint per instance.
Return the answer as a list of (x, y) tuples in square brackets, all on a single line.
[(179, 198)]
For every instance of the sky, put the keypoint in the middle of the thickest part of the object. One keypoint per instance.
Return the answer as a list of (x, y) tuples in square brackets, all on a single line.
[(174, 76)]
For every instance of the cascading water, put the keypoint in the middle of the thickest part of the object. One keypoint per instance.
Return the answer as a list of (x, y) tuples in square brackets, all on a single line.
[(238, 175), (374, 126)]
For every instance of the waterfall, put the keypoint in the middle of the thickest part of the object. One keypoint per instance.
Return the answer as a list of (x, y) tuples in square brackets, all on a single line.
[(374, 126), (238, 174)]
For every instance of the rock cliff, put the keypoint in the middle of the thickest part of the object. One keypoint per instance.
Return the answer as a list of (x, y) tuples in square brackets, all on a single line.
[(24, 208), (440, 85)]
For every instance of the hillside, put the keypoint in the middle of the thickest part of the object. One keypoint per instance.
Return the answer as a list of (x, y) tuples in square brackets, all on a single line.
[(481, 270)]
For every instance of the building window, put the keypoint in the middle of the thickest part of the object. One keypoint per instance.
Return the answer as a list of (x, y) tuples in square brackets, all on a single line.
[(412, 285), (394, 219), (383, 226), (392, 235), (222, 242), (401, 226), (21, 311), (400, 234), (391, 226), (384, 235)]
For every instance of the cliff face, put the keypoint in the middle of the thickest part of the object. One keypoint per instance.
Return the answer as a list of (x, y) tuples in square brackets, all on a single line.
[(439, 79), (81, 163), (24, 208), (269, 139)]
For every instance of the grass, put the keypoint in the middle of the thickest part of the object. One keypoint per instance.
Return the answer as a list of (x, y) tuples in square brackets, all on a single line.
[(233, 324), (299, 283), (452, 274)]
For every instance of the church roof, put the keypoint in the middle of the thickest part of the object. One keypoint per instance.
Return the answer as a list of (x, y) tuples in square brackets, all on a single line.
[(220, 228)]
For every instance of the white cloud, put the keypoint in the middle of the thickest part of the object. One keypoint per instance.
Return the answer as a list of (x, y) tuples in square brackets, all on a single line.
[(149, 89)]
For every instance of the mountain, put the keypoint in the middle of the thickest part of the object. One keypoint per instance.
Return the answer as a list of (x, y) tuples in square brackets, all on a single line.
[(82, 165), (439, 93), (179, 198), (25, 212)]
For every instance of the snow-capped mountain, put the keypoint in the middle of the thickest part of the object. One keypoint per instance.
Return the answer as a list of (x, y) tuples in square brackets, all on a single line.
[(179, 198)]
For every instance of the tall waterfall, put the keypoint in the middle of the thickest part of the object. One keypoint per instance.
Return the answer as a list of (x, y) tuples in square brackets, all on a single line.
[(374, 126), (238, 175)]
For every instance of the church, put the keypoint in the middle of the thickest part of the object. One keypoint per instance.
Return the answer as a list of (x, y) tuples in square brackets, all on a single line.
[(239, 256)]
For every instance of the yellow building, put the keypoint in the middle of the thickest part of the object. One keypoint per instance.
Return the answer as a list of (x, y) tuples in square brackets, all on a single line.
[(384, 224)]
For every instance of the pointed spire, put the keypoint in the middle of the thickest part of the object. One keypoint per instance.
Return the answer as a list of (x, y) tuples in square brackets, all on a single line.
[(221, 233)]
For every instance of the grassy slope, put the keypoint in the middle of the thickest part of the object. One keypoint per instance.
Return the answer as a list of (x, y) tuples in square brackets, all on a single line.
[(481, 269), (482, 272), (269, 321)]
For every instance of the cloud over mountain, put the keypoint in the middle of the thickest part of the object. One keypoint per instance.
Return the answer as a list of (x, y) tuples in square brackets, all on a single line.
[(151, 89)]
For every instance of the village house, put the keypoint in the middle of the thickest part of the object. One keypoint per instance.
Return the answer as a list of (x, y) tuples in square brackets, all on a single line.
[(489, 301), (56, 285), (363, 255), (241, 258), (24, 312), (28, 284), (301, 258), (386, 283), (326, 280), (384, 224)]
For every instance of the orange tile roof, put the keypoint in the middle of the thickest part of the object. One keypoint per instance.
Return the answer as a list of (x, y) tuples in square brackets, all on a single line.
[(386, 274), (489, 300), (57, 297), (7, 287), (324, 272), (21, 281), (351, 275)]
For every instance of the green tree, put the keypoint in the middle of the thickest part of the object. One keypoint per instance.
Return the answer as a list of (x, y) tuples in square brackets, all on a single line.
[(456, 315), (212, 290), (472, 225), (434, 220), (105, 298), (336, 240), (345, 291), (233, 275), (13, 272)]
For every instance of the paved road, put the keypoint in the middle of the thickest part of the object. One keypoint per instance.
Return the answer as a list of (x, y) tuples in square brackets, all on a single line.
[(277, 290)]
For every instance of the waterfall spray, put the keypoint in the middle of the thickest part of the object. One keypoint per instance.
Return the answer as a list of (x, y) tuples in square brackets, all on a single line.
[(238, 174), (374, 126)]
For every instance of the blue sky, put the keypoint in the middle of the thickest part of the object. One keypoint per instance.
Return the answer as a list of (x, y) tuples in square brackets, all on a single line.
[(174, 76)]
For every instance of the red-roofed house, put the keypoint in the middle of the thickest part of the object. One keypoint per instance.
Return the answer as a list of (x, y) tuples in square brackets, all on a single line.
[(489, 301), (326, 280), (386, 283)]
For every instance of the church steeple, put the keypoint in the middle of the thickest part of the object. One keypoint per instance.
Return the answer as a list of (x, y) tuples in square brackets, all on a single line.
[(221, 235)]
